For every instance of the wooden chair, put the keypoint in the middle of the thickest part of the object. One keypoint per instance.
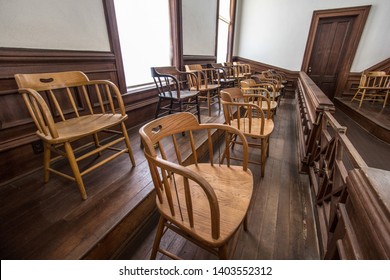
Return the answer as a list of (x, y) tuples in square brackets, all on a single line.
[(373, 86), (203, 201), (67, 107), (264, 78), (250, 119), (173, 87), (250, 87), (207, 82), (278, 75), (237, 72), (243, 69), (226, 77)]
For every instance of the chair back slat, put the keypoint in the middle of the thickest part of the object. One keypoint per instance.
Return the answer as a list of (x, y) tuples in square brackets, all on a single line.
[(177, 150), (193, 149), (188, 199), (56, 104), (87, 99), (110, 100), (99, 97), (70, 96)]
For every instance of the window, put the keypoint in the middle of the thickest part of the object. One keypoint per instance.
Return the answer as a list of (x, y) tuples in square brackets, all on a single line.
[(223, 30), (144, 35)]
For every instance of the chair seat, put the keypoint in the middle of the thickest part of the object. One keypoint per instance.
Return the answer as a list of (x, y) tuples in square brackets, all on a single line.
[(264, 104), (233, 201), (255, 128), (184, 94), (76, 128)]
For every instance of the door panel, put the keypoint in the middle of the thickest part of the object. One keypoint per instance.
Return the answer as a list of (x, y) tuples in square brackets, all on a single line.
[(329, 49)]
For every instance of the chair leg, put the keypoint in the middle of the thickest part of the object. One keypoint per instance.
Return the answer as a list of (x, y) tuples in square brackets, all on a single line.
[(362, 98), (75, 169), (209, 103), (158, 108), (385, 101), (96, 140), (46, 161), (263, 155), (127, 140), (219, 100), (197, 107), (157, 239)]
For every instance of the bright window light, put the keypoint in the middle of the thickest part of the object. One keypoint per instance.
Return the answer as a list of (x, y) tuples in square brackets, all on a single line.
[(223, 30), (144, 35)]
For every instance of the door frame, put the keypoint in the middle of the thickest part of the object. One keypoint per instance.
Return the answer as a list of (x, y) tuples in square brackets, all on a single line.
[(360, 13)]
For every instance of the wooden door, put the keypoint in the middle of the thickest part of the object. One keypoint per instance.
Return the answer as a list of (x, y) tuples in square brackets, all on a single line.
[(329, 50)]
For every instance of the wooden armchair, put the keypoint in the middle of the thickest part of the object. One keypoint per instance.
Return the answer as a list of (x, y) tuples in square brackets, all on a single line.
[(174, 88), (264, 77), (67, 107), (250, 119), (373, 86), (243, 70), (203, 201), (226, 77), (250, 87), (207, 82)]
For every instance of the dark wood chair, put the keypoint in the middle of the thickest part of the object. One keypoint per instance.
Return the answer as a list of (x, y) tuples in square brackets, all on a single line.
[(67, 107), (197, 197), (174, 88), (226, 78)]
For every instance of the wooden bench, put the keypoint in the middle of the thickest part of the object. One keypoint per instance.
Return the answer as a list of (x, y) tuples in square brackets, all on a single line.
[(67, 107)]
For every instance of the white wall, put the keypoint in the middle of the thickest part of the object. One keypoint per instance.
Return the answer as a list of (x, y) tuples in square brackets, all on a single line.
[(199, 27), (275, 31), (53, 24)]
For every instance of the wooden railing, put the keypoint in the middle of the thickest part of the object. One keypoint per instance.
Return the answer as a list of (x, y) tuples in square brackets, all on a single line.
[(330, 160)]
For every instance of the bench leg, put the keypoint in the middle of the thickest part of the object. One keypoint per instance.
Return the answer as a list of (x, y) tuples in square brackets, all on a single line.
[(75, 169)]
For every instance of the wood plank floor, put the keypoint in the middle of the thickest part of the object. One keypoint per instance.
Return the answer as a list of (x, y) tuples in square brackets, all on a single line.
[(281, 220)]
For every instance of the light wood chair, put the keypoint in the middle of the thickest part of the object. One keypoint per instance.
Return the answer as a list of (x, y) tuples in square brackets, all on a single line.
[(237, 72), (252, 89), (173, 87), (207, 82), (204, 201), (244, 70), (250, 119), (373, 86), (264, 77), (67, 107)]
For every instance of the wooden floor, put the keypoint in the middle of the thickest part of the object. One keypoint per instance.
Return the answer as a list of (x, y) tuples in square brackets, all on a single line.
[(50, 221)]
